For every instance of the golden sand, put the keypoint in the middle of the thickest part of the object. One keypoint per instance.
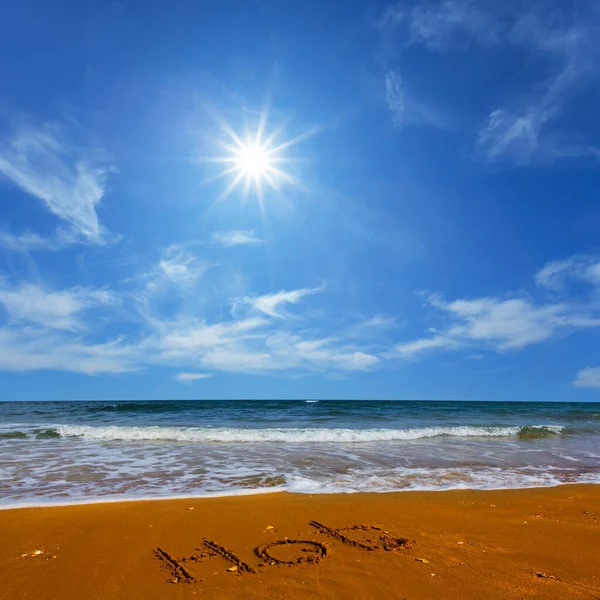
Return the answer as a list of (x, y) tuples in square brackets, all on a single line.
[(542, 543)]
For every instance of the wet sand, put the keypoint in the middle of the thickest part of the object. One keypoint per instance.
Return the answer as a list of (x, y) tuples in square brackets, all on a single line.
[(540, 543)]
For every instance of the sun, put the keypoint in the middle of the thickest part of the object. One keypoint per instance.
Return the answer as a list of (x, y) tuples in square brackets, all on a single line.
[(253, 161), (256, 161)]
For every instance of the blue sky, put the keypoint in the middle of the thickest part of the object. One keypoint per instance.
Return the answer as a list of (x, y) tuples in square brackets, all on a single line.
[(424, 222)]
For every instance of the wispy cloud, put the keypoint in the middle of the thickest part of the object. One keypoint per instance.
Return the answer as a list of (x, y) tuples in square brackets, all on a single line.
[(415, 347), (512, 323), (192, 338), (500, 325), (37, 349), (189, 377), (405, 109), (588, 378), (235, 238), (522, 133), (515, 133), (525, 128), (270, 304), (380, 321), (68, 180), (28, 242), (31, 304), (178, 267), (326, 353), (240, 360), (556, 274), (440, 24), (394, 97), (279, 351), (53, 330), (42, 328)]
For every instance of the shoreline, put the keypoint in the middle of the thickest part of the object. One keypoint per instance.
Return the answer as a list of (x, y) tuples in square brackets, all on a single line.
[(515, 543), (276, 490)]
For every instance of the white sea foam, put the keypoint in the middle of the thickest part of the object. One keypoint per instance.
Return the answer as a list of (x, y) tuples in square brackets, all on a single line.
[(437, 479), (74, 452), (296, 436), (112, 500)]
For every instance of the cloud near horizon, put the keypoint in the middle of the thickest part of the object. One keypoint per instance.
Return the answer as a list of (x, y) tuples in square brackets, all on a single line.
[(512, 323), (48, 329), (190, 377), (588, 378)]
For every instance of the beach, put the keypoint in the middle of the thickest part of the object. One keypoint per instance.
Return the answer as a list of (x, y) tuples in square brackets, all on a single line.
[(295, 499), (65, 452), (536, 543)]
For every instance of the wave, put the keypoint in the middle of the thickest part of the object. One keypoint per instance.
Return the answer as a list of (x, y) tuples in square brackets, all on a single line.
[(13, 435), (354, 481), (297, 436), (140, 406)]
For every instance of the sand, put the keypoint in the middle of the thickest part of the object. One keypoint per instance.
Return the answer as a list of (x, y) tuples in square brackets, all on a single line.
[(541, 543)]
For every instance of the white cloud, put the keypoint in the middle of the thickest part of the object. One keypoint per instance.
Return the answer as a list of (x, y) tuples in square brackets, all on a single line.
[(438, 26), (410, 349), (63, 329), (235, 238), (506, 324), (499, 324), (188, 337), (564, 41), (29, 303), (323, 354), (555, 274), (516, 134), (238, 360), (269, 304), (405, 109), (189, 377), (177, 268), (181, 267), (28, 242), (35, 349), (521, 134), (588, 378), (394, 96), (356, 361), (380, 321), (256, 345), (70, 182)]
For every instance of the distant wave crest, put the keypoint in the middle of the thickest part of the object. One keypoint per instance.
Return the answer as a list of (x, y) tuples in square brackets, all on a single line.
[(298, 436)]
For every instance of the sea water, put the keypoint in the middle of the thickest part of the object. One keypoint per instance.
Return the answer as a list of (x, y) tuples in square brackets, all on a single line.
[(64, 452)]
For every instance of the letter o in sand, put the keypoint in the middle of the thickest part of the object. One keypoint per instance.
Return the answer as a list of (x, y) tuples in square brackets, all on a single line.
[(313, 552)]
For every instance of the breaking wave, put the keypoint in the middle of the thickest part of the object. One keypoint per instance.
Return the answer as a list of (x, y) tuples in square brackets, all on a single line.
[(299, 436)]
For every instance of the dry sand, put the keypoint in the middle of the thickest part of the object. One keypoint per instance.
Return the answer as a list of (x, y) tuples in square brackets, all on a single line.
[(542, 543)]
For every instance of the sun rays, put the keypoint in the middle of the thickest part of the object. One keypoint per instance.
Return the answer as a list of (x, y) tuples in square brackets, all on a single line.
[(255, 162)]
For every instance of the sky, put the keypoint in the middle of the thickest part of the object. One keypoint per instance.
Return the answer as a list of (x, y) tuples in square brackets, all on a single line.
[(292, 199)]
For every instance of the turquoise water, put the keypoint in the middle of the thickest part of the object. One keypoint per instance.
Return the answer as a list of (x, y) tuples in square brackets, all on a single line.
[(58, 452)]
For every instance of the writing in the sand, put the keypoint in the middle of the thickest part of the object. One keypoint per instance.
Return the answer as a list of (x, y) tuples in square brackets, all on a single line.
[(281, 552)]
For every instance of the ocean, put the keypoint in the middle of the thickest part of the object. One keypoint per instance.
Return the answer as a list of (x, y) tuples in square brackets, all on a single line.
[(71, 452)]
